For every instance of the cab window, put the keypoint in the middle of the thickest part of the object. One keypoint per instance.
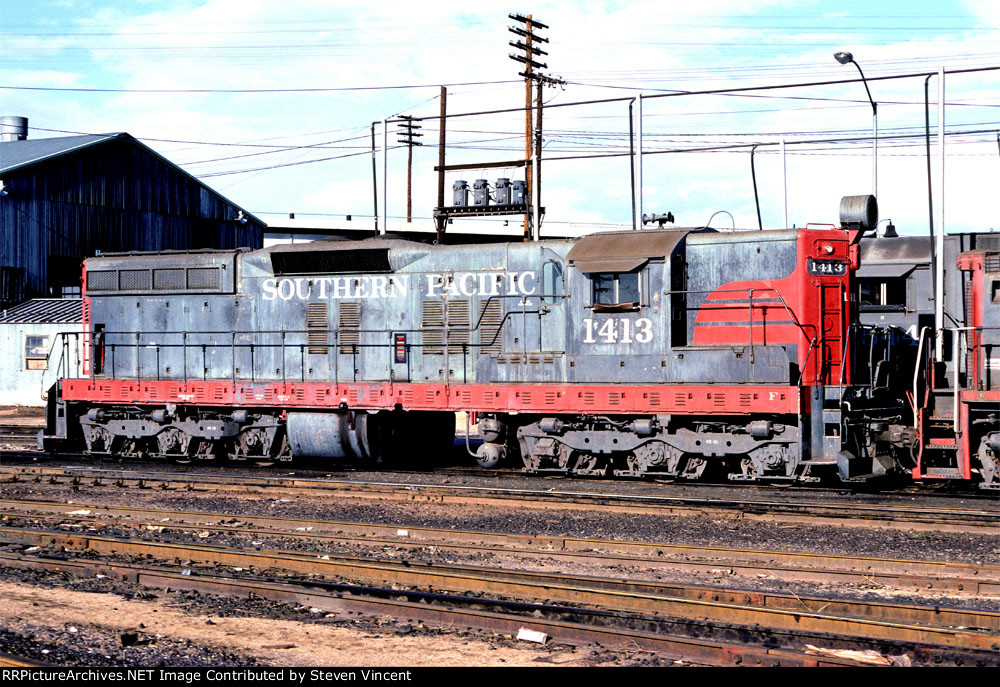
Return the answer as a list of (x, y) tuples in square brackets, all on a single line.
[(616, 289), (882, 293)]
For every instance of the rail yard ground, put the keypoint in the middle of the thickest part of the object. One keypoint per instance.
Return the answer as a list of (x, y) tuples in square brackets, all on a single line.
[(90, 612)]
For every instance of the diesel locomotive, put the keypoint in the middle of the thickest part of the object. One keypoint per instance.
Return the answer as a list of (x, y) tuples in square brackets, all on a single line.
[(669, 353)]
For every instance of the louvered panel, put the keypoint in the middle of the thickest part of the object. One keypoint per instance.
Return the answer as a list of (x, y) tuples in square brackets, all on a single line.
[(432, 324), (349, 322), (458, 325), (491, 320), (317, 336)]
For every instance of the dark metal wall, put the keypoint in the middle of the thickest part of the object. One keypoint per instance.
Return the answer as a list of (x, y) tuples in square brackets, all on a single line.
[(114, 196)]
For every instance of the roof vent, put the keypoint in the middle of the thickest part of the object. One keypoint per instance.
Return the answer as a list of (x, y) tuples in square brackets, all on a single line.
[(13, 128)]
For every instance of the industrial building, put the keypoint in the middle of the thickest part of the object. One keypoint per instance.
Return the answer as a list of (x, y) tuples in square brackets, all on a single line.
[(66, 198)]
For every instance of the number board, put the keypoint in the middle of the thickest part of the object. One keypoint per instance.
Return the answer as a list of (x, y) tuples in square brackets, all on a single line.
[(826, 268)]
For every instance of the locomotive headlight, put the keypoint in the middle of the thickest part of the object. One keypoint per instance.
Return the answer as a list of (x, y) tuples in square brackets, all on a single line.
[(828, 248)]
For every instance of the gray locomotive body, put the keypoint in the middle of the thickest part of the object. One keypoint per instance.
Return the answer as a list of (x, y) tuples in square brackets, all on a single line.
[(657, 352)]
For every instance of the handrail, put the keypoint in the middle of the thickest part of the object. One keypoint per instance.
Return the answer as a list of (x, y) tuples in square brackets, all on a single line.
[(918, 365)]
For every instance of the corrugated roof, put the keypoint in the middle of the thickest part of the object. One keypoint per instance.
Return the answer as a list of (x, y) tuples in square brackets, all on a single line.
[(15, 154), (44, 311)]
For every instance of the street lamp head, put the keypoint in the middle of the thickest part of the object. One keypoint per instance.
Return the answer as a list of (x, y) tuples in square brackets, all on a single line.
[(843, 57)]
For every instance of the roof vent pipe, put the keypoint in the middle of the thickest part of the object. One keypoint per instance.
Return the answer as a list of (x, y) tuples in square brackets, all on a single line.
[(13, 128)]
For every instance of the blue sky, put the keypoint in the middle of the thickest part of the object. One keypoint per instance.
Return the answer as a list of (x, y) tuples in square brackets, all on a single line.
[(271, 103)]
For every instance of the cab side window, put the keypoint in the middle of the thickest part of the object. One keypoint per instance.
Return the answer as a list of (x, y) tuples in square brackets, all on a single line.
[(616, 289)]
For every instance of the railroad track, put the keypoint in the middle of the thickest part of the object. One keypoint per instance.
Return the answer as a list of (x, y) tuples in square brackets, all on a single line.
[(18, 437), (981, 521), (928, 634), (304, 467), (11, 661), (980, 580), (453, 611)]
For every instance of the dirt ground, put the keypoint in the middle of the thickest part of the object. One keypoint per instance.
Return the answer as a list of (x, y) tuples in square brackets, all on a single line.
[(93, 628)]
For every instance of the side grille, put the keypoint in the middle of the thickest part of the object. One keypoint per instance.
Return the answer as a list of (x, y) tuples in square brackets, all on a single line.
[(432, 324), (317, 328), (105, 280), (134, 280), (156, 279), (458, 325), (203, 278), (349, 323), (168, 279), (491, 319)]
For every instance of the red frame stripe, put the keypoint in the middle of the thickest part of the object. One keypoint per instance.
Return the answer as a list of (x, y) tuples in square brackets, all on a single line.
[(576, 398)]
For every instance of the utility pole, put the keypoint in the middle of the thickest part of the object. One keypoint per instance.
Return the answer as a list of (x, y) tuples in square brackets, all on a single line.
[(532, 134), (536, 196), (441, 220), (409, 129), (374, 180), (527, 46)]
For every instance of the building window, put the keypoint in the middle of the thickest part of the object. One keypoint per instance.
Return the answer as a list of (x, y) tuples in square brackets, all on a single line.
[(620, 289), (71, 292), (36, 352), (882, 293)]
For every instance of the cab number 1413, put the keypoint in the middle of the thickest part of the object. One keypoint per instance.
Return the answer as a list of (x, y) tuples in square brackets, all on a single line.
[(618, 330)]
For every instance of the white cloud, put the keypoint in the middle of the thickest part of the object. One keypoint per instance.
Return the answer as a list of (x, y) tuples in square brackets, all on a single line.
[(225, 44)]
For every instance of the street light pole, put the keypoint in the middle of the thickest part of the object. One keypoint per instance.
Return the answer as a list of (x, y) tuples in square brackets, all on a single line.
[(845, 58)]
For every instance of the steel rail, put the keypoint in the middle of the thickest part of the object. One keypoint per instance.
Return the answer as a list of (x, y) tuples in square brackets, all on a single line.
[(938, 576), (979, 521), (693, 649), (649, 598), (12, 661)]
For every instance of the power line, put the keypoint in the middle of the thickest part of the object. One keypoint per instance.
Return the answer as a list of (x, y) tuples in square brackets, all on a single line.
[(249, 90)]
